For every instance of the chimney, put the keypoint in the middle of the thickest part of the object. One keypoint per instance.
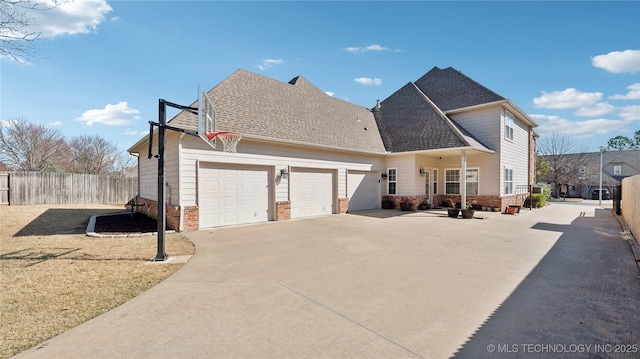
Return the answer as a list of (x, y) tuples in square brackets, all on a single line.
[(377, 104)]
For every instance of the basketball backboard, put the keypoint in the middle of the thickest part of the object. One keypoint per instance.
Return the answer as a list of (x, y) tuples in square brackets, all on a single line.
[(206, 117)]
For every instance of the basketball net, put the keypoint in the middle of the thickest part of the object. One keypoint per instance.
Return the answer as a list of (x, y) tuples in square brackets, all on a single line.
[(229, 139)]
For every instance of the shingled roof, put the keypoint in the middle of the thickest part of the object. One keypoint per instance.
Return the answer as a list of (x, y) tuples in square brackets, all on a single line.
[(296, 111), (409, 120), (450, 89)]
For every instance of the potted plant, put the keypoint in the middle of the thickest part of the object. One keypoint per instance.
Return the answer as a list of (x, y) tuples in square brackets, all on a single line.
[(452, 211), (468, 211), (387, 203), (405, 206), (424, 206)]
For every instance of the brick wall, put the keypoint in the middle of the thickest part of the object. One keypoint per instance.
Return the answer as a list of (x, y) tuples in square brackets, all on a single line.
[(414, 200), (488, 201), (343, 205), (283, 211), (191, 214)]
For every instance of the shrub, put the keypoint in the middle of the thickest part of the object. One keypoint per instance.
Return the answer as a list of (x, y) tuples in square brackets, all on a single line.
[(541, 198)]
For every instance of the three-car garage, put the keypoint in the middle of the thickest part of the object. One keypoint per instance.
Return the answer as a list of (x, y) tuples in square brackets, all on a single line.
[(232, 194)]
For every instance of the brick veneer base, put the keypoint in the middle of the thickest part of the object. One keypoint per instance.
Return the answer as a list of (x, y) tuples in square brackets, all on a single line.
[(343, 205), (191, 214), (283, 211)]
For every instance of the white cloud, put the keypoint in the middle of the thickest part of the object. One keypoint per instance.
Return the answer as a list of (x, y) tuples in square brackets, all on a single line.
[(618, 61), (112, 115), (633, 94), (374, 47), (630, 113), (329, 93), (269, 63), (130, 132), (368, 81), (569, 98), (56, 123), (68, 18), (577, 129), (599, 109)]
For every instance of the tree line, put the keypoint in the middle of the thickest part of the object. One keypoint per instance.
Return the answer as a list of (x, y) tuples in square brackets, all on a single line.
[(28, 146)]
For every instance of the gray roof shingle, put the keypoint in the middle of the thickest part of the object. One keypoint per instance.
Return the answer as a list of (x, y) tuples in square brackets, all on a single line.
[(298, 111), (450, 89), (408, 122)]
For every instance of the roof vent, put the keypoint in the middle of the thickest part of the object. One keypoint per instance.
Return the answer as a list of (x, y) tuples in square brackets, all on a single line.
[(377, 104)]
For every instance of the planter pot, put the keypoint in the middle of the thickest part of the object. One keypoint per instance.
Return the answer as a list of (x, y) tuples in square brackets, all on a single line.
[(484, 208), (468, 213), (405, 206), (516, 207), (495, 209), (387, 204), (512, 210), (424, 206), (453, 212)]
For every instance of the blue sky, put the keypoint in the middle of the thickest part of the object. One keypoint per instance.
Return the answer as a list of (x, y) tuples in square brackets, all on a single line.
[(101, 66)]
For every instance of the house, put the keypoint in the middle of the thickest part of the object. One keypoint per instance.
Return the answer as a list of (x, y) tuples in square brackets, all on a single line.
[(305, 153), (616, 165)]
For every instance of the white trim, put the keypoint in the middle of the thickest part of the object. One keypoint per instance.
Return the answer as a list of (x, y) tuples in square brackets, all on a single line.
[(395, 169), (460, 180)]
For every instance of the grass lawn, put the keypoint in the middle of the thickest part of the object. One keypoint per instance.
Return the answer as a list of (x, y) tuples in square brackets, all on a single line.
[(53, 277)]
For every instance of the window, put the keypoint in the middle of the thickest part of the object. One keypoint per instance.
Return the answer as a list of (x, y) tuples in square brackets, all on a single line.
[(391, 180), (452, 181), (435, 181), (617, 170), (509, 124), (472, 181), (508, 181)]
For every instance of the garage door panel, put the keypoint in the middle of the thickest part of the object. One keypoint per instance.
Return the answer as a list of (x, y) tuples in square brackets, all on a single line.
[(363, 189), (233, 195), (311, 192)]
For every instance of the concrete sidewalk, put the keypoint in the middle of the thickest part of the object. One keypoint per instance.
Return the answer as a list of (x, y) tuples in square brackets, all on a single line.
[(382, 284)]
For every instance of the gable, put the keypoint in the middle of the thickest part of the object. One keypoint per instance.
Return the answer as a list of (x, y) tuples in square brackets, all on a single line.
[(450, 89), (408, 122)]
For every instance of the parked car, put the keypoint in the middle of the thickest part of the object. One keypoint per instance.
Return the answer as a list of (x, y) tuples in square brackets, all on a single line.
[(605, 194)]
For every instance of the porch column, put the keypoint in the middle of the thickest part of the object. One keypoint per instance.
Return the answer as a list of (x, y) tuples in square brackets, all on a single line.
[(463, 180)]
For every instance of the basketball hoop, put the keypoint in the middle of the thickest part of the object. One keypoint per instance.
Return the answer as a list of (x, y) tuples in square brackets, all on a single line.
[(229, 139)]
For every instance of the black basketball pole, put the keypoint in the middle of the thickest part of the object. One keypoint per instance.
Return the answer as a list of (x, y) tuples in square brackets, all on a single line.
[(161, 256), (162, 120)]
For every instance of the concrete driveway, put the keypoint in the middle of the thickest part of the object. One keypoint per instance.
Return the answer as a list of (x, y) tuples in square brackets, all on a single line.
[(383, 284)]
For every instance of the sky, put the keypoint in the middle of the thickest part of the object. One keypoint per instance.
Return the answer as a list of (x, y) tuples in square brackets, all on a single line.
[(101, 66)]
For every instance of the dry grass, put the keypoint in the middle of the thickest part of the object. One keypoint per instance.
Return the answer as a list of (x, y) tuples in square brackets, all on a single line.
[(53, 277)]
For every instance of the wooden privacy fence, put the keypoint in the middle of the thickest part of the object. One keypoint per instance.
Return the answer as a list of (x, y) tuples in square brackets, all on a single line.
[(631, 203), (26, 187)]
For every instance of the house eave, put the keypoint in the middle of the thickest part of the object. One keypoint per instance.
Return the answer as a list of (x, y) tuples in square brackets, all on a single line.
[(441, 151), (510, 105)]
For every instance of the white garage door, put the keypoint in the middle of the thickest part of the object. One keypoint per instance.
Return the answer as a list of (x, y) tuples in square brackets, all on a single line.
[(362, 190), (311, 192), (233, 195)]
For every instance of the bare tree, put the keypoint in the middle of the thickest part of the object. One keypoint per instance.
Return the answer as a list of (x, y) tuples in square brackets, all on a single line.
[(30, 146), (93, 155), (17, 37), (566, 164)]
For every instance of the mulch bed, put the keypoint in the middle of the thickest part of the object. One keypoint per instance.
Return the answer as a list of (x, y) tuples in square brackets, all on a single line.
[(126, 224)]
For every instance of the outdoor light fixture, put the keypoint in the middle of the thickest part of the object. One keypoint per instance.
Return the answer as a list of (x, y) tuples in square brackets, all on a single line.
[(422, 172), (384, 176), (284, 173)]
